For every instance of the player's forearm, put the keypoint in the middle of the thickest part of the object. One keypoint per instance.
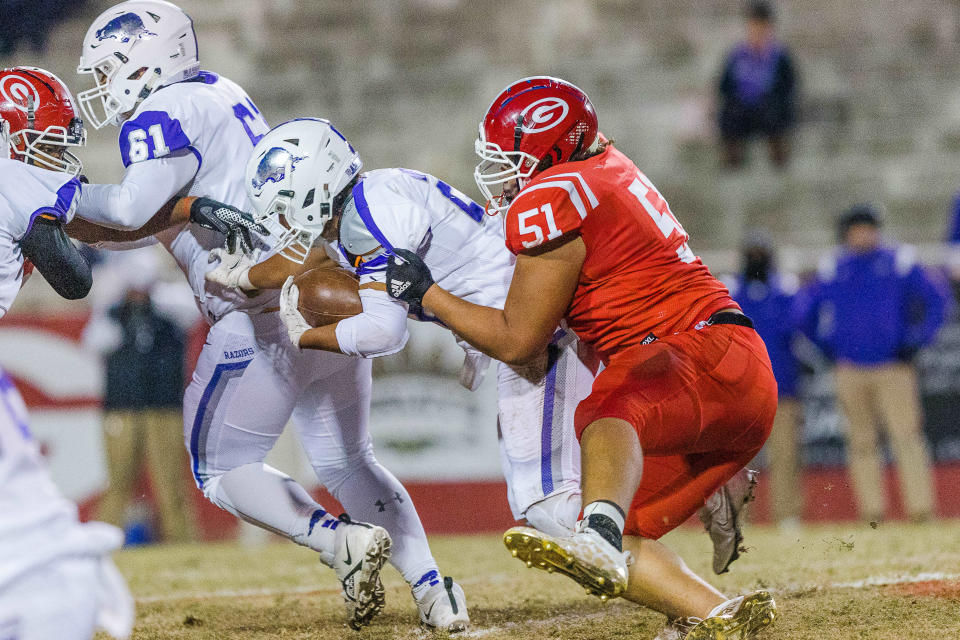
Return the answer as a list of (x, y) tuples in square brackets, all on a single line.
[(486, 328), (274, 271), (174, 212), (135, 201), (321, 338)]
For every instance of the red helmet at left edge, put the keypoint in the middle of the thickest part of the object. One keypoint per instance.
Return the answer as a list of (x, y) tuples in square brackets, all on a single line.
[(38, 122)]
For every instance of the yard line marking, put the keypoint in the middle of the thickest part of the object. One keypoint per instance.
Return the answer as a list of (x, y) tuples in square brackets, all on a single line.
[(236, 593), (252, 593), (882, 581), (871, 581)]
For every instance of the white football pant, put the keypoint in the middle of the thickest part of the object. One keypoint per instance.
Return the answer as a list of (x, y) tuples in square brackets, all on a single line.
[(249, 381), (540, 454)]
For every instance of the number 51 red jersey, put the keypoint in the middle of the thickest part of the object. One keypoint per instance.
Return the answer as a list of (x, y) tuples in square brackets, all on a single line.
[(639, 276)]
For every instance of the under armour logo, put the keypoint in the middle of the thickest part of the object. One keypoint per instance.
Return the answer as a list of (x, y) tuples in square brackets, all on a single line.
[(381, 505)]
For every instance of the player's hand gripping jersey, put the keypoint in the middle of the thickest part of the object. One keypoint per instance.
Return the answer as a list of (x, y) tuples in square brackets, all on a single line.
[(26, 194), (404, 209), (639, 276), (412, 210)]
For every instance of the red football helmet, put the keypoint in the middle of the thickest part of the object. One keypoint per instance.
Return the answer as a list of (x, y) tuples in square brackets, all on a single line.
[(36, 117), (534, 123)]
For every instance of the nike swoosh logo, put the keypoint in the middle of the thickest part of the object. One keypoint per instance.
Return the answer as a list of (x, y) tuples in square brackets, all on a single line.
[(430, 610), (348, 561)]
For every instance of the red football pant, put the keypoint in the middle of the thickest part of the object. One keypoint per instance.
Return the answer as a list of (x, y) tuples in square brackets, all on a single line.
[(702, 403)]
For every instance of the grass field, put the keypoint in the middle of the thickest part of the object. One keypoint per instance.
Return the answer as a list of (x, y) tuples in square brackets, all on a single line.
[(896, 581)]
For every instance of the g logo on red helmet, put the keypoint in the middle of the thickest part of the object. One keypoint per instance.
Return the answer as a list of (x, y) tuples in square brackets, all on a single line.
[(18, 91), (543, 114)]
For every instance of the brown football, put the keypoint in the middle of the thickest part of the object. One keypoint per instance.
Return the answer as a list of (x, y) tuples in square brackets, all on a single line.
[(327, 295)]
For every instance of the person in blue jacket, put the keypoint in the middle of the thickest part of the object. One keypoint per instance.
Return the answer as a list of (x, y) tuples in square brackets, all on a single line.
[(766, 297), (870, 309)]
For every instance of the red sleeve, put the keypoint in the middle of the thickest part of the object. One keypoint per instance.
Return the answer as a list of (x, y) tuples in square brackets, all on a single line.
[(546, 210)]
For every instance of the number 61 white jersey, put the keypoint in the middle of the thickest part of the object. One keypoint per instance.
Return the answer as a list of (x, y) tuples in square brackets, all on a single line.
[(214, 119)]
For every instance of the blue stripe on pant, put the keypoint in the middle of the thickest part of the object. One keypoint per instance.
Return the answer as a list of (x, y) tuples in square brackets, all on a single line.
[(7, 388), (546, 428), (201, 423)]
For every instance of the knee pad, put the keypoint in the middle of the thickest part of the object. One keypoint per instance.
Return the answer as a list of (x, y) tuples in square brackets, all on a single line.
[(333, 473), (557, 514)]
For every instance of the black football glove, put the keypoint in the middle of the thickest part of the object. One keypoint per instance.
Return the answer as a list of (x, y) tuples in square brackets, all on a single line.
[(220, 217), (408, 277)]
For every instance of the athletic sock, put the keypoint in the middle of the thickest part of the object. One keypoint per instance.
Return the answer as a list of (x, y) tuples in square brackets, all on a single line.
[(427, 580), (320, 535), (607, 519)]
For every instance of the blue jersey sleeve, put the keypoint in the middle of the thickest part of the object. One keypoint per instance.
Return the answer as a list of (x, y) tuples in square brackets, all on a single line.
[(62, 208), (152, 134)]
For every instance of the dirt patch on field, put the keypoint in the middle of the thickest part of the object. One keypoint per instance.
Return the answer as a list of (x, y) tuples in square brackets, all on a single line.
[(949, 589)]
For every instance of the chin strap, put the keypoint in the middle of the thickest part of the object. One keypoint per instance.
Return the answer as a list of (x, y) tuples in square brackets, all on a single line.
[(149, 87), (518, 133)]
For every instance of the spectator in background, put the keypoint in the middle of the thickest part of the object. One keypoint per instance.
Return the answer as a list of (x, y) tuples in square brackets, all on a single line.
[(953, 247), (144, 361), (767, 298), (757, 91), (870, 309)]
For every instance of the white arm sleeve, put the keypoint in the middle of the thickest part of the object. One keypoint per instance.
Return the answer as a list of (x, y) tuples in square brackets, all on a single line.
[(146, 187), (380, 330)]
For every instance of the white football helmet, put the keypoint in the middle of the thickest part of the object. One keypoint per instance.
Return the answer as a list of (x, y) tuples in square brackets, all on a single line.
[(131, 50), (295, 173)]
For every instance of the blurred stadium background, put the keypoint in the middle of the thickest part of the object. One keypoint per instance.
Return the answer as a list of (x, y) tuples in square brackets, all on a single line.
[(408, 80)]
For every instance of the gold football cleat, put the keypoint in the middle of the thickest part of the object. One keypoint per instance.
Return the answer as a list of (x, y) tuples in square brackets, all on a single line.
[(739, 619), (584, 556)]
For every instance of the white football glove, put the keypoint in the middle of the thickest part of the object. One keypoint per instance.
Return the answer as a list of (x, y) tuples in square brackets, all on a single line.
[(289, 299), (233, 271)]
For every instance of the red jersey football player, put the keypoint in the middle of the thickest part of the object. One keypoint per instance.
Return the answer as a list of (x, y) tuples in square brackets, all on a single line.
[(687, 395)]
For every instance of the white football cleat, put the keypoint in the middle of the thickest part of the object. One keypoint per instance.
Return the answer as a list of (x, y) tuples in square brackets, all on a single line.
[(584, 556), (443, 606), (361, 551)]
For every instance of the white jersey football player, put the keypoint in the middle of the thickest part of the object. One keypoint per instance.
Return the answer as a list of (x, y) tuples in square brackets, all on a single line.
[(302, 177), (57, 579), (181, 132)]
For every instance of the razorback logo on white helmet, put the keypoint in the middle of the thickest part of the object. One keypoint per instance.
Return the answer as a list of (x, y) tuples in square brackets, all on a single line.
[(19, 91), (543, 114)]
